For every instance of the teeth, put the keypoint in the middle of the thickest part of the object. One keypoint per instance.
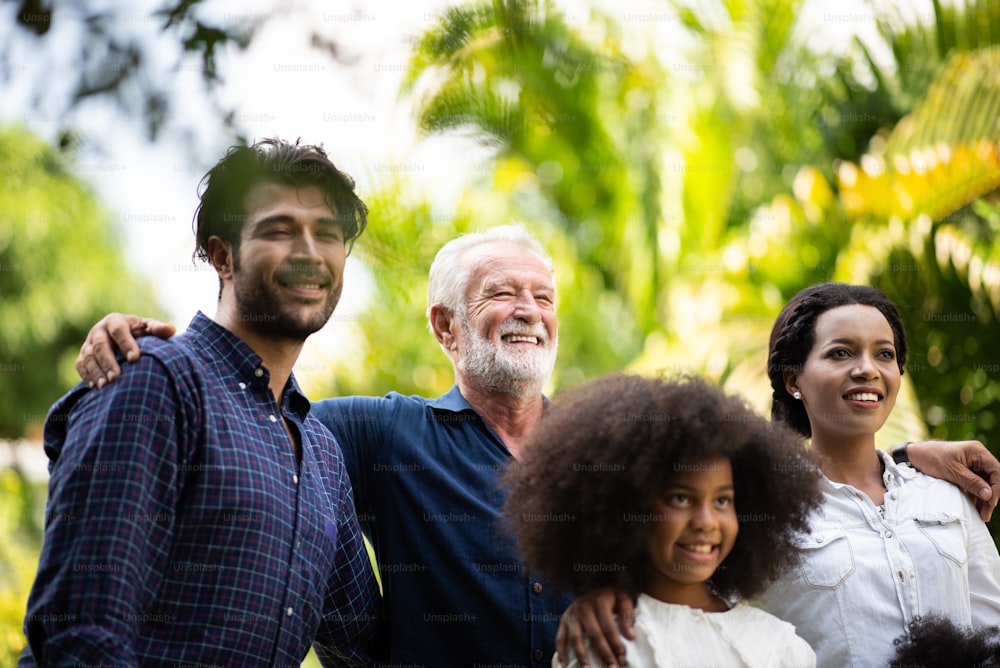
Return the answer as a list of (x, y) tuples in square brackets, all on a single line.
[(306, 286), (518, 337), (703, 549), (862, 396)]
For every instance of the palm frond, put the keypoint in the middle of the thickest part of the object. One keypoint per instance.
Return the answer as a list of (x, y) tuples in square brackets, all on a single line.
[(942, 155)]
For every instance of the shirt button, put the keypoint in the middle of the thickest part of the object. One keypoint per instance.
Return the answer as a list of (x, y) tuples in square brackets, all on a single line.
[(538, 655), (819, 539), (893, 494), (243, 386), (888, 534), (258, 372), (288, 612), (272, 418), (295, 479), (537, 587)]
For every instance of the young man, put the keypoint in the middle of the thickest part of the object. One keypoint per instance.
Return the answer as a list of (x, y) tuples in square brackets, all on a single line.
[(197, 513)]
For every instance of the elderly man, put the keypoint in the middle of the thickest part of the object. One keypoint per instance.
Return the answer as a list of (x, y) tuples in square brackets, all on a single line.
[(425, 471)]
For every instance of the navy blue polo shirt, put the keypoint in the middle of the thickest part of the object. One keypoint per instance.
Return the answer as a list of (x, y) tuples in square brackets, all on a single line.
[(426, 484)]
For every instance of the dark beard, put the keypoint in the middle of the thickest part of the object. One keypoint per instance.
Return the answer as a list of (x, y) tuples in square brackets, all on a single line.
[(262, 311)]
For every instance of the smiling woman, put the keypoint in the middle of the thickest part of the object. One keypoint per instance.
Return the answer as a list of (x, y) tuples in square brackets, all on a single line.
[(889, 543)]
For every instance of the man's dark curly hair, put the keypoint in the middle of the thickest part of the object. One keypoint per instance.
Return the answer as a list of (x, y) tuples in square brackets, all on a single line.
[(222, 209), (937, 642), (794, 334), (581, 499)]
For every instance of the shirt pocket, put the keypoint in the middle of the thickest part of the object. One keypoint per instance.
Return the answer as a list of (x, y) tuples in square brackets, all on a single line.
[(827, 558), (946, 533)]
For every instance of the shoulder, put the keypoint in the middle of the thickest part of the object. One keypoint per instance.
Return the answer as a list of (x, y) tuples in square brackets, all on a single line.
[(366, 409), (160, 363), (761, 629), (174, 360), (152, 394), (743, 613), (932, 491)]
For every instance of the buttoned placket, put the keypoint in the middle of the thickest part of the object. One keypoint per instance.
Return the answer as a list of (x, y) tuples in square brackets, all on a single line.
[(885, 524), (266, 402)]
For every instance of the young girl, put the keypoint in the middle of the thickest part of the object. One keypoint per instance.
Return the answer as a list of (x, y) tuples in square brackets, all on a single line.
[(679, 495), (890, 544)]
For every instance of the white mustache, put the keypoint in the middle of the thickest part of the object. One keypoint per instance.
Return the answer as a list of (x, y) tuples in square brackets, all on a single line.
[(518, 329)]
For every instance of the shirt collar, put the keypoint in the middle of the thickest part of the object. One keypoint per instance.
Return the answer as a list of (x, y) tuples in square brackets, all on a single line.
[(219, 346), (897, 471), (891, 475), (452, 401)]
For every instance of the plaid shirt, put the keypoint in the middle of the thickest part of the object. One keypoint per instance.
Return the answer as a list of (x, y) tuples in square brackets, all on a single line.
[(179, 530)]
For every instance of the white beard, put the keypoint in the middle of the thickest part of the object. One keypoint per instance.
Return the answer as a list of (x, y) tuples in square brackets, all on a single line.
[(517, 373)]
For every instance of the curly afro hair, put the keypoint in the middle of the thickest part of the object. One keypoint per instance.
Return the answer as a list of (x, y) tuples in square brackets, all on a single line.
[(937, 642), (605, 452)]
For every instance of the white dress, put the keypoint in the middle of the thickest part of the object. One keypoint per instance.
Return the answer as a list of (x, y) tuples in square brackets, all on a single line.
[(669, 635)]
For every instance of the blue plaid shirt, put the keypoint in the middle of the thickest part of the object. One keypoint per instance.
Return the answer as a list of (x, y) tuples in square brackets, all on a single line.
[(426, 478), (179, 529)]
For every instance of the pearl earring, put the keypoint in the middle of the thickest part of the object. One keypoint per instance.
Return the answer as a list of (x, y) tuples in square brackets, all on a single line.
[(797, 394)]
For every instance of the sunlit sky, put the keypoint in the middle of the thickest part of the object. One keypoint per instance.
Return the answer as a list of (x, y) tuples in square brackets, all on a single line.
[(284, 87)]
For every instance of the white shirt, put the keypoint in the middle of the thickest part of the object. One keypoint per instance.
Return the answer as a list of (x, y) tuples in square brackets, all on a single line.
[(867, 572), (670, 636)]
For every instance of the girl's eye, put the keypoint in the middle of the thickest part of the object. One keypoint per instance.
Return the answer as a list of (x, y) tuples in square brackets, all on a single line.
[(724, 501), (887, 355), (677, 499)]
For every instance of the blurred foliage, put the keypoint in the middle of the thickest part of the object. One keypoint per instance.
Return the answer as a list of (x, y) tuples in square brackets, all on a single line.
[(61, 269), (21, 526), (125, 56)]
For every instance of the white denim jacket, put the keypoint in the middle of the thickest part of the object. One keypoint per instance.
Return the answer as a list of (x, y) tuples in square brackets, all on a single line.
[(866, 573)]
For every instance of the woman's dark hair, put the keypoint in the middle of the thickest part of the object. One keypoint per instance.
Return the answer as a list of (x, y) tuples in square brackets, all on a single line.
[(222, 210), (937, 642), (794, 334), (581, 499)]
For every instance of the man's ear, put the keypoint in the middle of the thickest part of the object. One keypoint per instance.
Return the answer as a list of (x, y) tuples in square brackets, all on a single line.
[(441, 321), (220, 254)]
